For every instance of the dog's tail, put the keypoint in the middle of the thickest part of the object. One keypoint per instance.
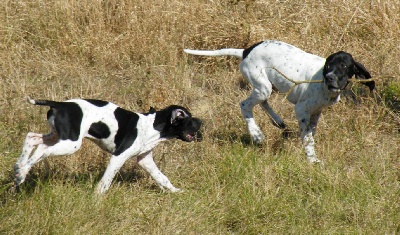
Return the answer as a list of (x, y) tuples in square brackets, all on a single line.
[(50, 103), (222, 52)]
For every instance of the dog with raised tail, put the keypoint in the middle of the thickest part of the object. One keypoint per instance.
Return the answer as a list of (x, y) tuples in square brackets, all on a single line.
[(122, 133), (268, 64)]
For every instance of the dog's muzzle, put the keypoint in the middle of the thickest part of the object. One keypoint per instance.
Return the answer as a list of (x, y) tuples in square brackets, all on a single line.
[(193, 137), (192, 131), (334, 84)]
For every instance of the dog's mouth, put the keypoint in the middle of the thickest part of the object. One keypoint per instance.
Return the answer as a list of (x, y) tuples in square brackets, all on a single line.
[(334, 89), (189, 137)]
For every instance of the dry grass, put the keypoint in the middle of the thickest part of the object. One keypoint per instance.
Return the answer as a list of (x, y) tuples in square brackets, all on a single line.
[(130, 52)]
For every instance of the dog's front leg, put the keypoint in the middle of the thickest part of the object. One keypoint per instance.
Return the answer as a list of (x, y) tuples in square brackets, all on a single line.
[(314, 121), (306, 131), (308, 143), (147, 163), (113, 167)]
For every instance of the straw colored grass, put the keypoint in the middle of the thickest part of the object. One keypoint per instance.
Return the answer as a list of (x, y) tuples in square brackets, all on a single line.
[(131, 53)]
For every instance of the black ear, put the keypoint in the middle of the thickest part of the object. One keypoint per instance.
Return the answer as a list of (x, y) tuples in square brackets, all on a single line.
[(178, 114), (361, 73), (152, 110)]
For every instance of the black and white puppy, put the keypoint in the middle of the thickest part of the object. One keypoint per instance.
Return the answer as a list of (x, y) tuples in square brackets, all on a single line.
[(122, 133), (260, 65)]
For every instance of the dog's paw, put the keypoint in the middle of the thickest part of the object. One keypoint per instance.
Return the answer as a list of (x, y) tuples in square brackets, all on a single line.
[(313, 159), (20, 175), (102, 187), (19, 179), (176, 190), (257, 136)]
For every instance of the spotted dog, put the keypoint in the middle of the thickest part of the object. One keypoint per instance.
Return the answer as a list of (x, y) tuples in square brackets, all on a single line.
[(263, 65), (122, 133)]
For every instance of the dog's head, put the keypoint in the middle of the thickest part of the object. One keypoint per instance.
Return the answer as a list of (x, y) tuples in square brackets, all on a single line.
[(177, 122), (340, 67)]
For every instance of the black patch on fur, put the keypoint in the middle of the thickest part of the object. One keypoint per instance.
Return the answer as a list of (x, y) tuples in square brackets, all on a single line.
[(127, 130), (67, 120), (98, 103), (99, 130), (247, 51), (179, 127), (163, 119)]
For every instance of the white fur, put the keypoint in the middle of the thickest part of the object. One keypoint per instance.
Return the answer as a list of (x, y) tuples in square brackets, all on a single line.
[(38, 146), (260, 68)]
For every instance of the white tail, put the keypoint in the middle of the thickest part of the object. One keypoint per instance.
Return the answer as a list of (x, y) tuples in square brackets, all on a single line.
[(31, 101), (222, 52)]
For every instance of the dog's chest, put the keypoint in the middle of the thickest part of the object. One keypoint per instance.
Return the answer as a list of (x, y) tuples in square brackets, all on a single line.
[(147, 137), (140, 137), (145, 140), (313, 97)]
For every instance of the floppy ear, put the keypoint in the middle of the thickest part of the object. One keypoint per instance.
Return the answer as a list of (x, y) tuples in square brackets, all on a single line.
[(361, 73), (178, 114)]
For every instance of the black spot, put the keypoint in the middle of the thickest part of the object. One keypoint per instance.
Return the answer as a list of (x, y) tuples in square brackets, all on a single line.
[(99, 130), (67, 120), (247, 51), (127, 130), (98, 103)]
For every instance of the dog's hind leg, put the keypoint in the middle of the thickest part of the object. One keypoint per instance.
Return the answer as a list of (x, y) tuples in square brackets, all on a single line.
[(31, 141), (262, 89), (247, 112), (276, 119), (47, 145), (261, 92)]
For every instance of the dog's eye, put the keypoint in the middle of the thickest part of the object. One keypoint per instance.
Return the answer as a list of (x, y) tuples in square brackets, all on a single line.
[(343, 65)]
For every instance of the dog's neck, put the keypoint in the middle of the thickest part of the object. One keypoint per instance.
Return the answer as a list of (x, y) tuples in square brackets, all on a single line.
[(162, 123), (332, 97), (160, 120)]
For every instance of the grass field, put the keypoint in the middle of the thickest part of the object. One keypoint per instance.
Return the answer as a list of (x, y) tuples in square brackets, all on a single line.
[(131, 53)]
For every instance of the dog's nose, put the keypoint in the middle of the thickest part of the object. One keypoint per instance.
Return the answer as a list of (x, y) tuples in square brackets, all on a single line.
[(330, 77)]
